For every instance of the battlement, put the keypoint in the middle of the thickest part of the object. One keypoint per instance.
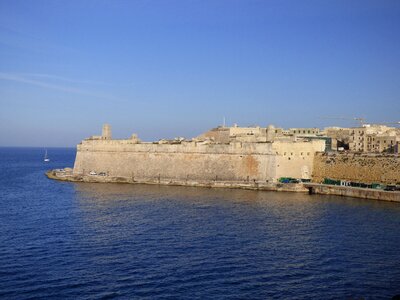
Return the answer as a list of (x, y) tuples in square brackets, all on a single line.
[(200, 159)]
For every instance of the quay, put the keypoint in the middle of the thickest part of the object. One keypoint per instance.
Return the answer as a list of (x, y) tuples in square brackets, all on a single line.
[(250, 185), (348, 191), (311, 188)]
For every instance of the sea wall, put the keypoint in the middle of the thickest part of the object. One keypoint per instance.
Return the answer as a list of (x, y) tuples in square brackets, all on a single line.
[(187, 161), (357, 167), (234, 162), (348, 191), (296, 159)]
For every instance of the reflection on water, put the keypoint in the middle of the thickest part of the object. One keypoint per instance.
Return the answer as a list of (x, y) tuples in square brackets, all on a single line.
[(211, 238), (92, 241)]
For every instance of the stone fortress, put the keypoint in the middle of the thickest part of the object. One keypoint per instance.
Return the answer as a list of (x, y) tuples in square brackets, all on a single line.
[(260, 158), (223, 154)]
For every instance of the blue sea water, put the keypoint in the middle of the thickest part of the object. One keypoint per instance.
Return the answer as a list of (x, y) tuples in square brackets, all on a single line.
[(63, 240)]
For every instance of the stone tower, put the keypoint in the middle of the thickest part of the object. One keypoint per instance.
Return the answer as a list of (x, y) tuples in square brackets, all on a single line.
[(271, 133), (106, 135)]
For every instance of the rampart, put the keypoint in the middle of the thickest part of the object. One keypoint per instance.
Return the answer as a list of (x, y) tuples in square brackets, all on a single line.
[(357, 167), (196, 161), (248, 160)]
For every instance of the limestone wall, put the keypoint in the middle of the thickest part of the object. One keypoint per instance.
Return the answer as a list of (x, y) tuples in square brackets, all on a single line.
[(295, 159), (180, 161), (196, 161), (357, 167)]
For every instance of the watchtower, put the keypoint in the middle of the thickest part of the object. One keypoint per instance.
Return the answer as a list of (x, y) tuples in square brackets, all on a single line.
[(106, 135), (271, 133)]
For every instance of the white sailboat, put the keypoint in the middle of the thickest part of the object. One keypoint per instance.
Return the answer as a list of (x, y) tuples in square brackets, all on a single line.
[(46, 159)]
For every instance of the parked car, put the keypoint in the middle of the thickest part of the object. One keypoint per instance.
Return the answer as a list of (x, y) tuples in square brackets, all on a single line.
[(102, 174), (390, 188), (92, 173)]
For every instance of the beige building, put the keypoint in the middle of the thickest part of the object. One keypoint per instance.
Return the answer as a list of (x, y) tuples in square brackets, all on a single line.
[(368, 138), (257, 134), (340, 137), (384, 142), (240, 134), (304, 131), (374, 138)]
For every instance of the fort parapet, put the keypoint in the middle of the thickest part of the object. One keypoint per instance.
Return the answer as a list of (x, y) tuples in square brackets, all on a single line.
[(197, 160)]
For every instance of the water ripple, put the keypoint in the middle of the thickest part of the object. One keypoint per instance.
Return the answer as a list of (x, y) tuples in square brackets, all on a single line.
[(106, 241)]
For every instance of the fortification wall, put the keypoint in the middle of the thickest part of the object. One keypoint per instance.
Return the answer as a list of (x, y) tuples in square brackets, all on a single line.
[(192, 161), (177, 166), (357, 167), (184, 147), (296, 159), (178, 162)]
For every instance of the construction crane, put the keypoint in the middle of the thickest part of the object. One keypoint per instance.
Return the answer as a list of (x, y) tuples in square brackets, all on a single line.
[(358, 119)]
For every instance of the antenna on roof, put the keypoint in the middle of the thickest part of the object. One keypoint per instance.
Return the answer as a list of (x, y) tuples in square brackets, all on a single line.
[(223, 123)]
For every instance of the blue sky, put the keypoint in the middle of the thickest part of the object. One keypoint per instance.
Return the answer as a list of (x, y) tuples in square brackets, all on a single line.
[(176, 68)]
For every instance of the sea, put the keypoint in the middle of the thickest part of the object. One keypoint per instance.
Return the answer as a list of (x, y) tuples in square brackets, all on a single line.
[(61, 240)]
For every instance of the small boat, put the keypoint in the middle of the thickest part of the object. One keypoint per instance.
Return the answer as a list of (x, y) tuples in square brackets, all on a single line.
[(46, 159)]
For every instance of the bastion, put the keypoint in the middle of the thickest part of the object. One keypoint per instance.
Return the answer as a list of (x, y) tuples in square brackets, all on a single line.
[(253, 160), (232, 157)]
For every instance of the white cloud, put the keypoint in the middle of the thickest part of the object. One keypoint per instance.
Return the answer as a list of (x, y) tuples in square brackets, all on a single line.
[(26, 80)]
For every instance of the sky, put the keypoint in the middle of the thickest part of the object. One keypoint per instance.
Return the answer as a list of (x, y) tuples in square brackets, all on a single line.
[(168, 68)]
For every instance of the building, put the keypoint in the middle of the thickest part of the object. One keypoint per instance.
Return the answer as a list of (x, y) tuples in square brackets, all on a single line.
[(304, 131), (223, 154), (374, 138)]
